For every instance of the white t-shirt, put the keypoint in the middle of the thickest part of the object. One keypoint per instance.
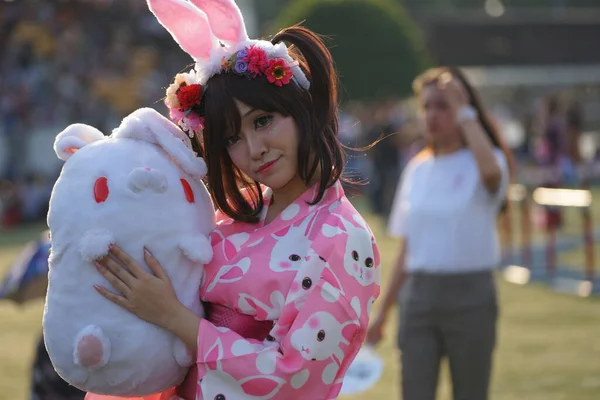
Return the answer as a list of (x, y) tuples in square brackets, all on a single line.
[(446, 215)]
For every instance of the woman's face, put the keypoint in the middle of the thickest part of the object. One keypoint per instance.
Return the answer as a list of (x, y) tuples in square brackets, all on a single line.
[(439, 119), (266, 148)]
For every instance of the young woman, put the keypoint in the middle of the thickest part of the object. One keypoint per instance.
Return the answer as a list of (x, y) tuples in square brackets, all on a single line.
[(295, 268), (445, 214)]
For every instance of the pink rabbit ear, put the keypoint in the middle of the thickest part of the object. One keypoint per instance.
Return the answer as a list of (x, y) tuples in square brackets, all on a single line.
[(188, 26), (225, 20)]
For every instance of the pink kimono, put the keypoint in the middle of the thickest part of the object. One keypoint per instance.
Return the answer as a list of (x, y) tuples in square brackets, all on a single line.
[(305, 282)]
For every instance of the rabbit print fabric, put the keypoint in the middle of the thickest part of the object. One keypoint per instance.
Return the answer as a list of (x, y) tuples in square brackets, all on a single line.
[(314, 271)]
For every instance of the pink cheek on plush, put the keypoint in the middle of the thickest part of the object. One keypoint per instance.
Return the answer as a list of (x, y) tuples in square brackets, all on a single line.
[(295, 287), (285, 264), (369, 275), (355, 266), (313, 323), (282, 331), (89, 351)]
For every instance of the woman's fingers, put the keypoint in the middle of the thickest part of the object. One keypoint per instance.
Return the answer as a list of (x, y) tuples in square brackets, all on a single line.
[(118, 269), (115, 298), (115, 279), (126, 260), (155, 266)]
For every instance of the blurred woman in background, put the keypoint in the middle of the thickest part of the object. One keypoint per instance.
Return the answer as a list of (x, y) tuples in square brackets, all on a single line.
[(445, 213)]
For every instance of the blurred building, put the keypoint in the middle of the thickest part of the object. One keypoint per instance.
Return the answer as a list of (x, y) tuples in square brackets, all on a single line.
[(518, 55)]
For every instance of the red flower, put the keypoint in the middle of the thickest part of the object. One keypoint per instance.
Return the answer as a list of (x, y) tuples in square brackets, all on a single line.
[(278, 72), (189, 96), (256, 59)]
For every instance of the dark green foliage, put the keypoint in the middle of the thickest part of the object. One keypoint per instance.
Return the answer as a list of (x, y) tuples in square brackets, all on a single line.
[(377, 48)]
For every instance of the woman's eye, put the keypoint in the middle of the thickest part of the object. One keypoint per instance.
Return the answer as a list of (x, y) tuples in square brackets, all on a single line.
[(231, 140), (262, 121)]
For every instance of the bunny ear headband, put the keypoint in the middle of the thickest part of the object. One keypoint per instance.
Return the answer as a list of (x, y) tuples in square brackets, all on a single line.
[(213, 33)]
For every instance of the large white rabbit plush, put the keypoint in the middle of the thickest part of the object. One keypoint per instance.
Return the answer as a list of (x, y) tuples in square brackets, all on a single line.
[(139, 187)]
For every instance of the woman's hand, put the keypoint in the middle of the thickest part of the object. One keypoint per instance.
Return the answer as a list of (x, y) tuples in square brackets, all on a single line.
[(455, 92), (149, 296), (375, 331)]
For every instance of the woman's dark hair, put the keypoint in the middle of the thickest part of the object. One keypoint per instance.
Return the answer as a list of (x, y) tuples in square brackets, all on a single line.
[(433, 75), (314, 111)]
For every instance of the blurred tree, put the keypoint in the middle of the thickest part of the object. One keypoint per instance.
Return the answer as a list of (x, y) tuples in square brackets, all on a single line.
[(377, 48), (268, 10)]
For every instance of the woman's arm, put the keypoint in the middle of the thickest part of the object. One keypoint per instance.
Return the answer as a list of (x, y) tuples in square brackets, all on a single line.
[(397, 279), (185, 325), (483, 151), (389, 300), (474, 135)]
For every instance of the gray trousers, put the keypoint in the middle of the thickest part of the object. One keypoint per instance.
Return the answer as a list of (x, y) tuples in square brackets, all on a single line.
[(450, 316)]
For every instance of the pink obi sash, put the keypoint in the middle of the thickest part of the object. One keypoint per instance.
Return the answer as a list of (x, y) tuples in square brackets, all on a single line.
[(242, 324)]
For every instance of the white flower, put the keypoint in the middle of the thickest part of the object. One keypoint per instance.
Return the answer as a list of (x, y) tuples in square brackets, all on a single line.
[(189, 78)]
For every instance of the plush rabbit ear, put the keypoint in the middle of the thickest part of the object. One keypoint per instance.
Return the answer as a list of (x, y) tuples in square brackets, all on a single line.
[(225, 18), (73, 138), (149, 125), (188, 25)]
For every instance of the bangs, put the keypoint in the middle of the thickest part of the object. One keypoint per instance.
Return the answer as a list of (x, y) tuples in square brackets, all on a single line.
[(222, 118)]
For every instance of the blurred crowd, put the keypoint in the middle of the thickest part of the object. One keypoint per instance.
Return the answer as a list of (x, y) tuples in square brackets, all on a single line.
[(59, 65)]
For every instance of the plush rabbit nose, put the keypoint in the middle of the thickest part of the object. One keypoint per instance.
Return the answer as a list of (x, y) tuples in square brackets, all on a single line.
[(145, 178)]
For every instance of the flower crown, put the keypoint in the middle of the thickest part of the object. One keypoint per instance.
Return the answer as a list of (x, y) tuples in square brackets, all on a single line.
[(213, 33), (185, 95)]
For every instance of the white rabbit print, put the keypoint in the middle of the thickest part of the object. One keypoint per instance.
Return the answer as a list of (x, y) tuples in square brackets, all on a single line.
[(321, 337), (219, 385), (264, 312), (314, 269), (359, 256), (291, 248), (231, 245), (230, 273)]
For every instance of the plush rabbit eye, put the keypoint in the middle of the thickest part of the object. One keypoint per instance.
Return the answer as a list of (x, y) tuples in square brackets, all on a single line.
[(369, 262), (220, 397), (187, 189), (321, 335), (295, 257), (355, 255), (101, 190), (306, 283)]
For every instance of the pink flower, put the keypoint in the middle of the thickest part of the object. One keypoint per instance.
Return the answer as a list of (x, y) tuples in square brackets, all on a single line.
[(256, 59), (195, 121), (176, 115), (278, 72)]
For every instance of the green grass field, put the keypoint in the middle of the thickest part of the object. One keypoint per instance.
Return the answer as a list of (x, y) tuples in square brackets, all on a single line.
[(548, 343)]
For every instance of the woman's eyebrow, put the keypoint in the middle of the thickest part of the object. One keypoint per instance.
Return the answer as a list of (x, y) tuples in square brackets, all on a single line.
[(250, 111)]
